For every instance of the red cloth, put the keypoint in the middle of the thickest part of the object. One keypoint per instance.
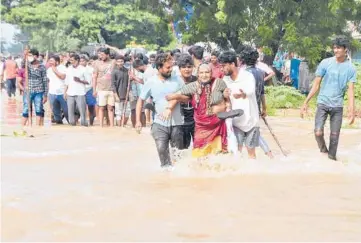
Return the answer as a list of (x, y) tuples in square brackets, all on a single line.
[(217, 71), (207, 127), (21, 74)]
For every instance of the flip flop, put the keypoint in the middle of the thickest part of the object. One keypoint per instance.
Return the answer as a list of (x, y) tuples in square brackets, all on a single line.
[(230, 114)]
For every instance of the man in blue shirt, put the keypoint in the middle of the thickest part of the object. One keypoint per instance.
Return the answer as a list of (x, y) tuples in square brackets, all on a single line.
[(295, 71), (337, 75), (164, 131)]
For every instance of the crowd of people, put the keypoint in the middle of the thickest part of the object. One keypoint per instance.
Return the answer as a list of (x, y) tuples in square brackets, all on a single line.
[(216, 101)]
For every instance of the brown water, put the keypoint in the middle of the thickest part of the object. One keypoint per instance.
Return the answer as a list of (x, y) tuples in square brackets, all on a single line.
[(92, 184)]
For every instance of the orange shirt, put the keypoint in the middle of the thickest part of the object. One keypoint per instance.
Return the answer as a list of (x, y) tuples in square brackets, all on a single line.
[(10, 69)]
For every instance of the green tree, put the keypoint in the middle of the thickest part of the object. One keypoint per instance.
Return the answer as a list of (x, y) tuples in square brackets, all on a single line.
[(59, 24), (303, 26)]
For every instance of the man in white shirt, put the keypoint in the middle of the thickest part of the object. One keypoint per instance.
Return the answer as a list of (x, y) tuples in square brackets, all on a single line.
[(138, 80), (89, 98), (267, 70), (241, 90), (56, 74), (75, 91), (150, 72)]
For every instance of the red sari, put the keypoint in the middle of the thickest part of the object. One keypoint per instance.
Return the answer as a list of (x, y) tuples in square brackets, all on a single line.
[(210, 132)]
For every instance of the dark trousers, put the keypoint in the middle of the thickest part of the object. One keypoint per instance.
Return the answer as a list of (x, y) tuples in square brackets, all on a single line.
[(188, 134), (165, 136), (335, 114), (58, 105), (11, 86)]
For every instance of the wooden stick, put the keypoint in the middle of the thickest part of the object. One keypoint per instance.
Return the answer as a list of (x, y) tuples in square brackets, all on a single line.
[(126, 100), (274, 136), (30, 106)]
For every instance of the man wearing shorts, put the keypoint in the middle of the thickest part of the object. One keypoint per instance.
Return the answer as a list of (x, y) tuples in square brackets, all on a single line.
[(120, 82), (37, 87), (242, 86), (102, 85), (138, 81)]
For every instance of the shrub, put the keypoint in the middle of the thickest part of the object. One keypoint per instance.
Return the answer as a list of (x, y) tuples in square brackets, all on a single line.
[(283, 97)]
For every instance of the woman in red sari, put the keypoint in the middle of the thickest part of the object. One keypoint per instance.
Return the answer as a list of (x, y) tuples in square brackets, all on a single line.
[(207, 99)]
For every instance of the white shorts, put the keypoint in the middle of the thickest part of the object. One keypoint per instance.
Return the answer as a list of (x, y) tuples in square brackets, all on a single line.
[(105, 98), (119, 109)]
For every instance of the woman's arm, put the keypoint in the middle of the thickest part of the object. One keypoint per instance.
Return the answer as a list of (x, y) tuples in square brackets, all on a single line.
[(178, 97), (173, 100)]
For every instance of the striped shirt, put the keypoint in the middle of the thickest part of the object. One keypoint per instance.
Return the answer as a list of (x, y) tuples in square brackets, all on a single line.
[(38, 81), (217, 90)]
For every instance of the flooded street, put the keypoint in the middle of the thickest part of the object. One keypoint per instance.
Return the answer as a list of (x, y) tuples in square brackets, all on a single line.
[(92, 184)]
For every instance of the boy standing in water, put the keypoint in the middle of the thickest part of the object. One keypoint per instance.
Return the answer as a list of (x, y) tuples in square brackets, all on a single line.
[(337, 75)]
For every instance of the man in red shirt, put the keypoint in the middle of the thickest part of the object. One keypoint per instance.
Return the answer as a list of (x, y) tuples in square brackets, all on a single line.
[(215, 66), (11, 71)]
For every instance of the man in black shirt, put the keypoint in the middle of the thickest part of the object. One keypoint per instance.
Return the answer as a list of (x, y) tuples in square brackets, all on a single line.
[(120, 83), (186, 65)]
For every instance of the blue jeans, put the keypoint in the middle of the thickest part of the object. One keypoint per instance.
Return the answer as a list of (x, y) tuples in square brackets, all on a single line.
[(58, 103), (37, 99), (263, 144)]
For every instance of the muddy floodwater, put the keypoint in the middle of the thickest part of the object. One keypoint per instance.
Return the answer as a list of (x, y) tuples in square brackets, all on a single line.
[(91, 184)]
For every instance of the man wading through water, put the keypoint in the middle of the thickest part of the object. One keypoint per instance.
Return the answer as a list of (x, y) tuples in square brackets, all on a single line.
[(164, 132), (249, 57), (242, 91), (185, 64), (337, 74)]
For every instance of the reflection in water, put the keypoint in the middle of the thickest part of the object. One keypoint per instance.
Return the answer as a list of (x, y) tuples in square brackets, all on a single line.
[(92, 184), (12, 112)]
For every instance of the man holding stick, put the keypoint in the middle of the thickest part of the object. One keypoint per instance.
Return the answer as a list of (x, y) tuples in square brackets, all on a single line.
[(36, 89)]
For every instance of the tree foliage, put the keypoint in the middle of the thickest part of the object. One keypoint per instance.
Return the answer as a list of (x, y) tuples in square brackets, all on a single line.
[(59, 24), (303, 26)]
